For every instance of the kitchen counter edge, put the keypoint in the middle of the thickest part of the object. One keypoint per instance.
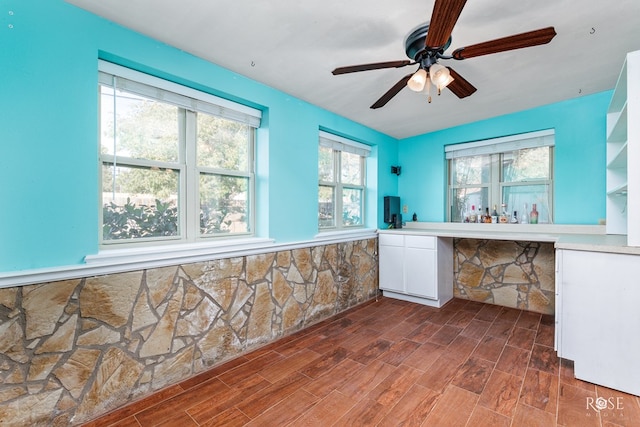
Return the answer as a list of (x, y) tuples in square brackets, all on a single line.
[(591, 238)]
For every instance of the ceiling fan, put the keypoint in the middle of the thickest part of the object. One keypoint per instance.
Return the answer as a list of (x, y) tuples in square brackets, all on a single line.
[(426, 45)]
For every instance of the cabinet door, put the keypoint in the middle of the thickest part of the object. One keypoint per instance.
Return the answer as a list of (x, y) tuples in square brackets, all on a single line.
[(420, 274), (391, 268), (599, 318), (559, 313)]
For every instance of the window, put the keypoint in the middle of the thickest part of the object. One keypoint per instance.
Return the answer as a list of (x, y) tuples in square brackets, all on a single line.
[(177, 164), (509, 174), (341, 175)]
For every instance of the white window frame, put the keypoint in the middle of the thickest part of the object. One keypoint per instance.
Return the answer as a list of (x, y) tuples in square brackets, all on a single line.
[(340, 144), (495, 148), (190, 102)]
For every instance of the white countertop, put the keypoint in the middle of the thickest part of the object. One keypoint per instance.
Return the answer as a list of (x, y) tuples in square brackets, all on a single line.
[(574, 237)]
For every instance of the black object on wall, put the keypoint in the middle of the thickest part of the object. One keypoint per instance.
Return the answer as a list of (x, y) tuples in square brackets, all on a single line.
[(392, 210)]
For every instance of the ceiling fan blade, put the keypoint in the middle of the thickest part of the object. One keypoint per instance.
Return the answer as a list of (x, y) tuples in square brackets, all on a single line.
[(517, 41), (372, 66), (459, 86), (392, 92), (443, 18)]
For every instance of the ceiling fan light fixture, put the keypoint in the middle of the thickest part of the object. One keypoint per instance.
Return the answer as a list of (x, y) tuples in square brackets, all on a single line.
[(439, 75), (417, 82), (427, 89)]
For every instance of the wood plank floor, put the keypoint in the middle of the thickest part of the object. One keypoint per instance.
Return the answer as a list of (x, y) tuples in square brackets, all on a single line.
[(390, 363)]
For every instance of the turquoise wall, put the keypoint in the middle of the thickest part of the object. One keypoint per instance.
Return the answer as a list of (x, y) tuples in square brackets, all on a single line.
[(579, 168), (49, 150), (48, 133)]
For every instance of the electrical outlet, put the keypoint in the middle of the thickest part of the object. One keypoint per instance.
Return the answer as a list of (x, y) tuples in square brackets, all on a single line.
[(405, 209)]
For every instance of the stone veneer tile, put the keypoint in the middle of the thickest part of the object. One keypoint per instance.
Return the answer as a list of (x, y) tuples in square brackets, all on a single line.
[(99, 336), (159, 342), (173, 369), (113, 384), (11, 341), (199, 319), (41, 366), (258, 266), (192, 297), (63, 338), (76, 371), (143, 315), (12, 392), (471, 275), (506, 296), (281, 289), (30, 409), (514, 274), (43, 306), (110, 298), (72, 350), (304, 262), (159, 282), (219, 343), (260, 329), (8, 297)]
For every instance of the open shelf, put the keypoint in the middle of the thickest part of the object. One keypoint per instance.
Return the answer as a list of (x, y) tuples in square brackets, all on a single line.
[(620, 190), (619, 98), (618, 129), (623, 151), (619, 158)]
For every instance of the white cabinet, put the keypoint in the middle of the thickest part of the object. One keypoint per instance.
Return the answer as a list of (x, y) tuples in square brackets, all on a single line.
[(420, 266), (598, 318), (417, 268), (391, 255), (623, 147)]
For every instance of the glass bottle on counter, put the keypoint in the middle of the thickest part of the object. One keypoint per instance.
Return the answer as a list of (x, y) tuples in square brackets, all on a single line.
[(524, 217), (473, 216), (533, 216), (504, 217), (494, 215), (514, 218), (487, 216)]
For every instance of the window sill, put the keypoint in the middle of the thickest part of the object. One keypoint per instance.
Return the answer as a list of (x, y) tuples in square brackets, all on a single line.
[(345, 235), (113, 261), (176, 254)]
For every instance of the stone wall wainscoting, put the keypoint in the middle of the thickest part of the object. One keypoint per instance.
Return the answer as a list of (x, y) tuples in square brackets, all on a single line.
[(508, 273), (73, 350)]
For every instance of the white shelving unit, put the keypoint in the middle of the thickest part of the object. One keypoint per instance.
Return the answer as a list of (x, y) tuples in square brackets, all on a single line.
[(623, 146)]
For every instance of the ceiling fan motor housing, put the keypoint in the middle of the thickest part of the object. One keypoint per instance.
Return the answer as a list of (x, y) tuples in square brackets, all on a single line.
[(414, 45)]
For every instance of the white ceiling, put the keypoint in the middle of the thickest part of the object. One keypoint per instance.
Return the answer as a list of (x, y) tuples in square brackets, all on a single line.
[(293, 45)]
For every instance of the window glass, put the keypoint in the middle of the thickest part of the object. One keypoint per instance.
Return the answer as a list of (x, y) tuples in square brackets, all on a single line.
[(169, 170), (351, 207), (222, 144), (139, 202), (341, 176), (522, 198), (325, 164), (144, 129), (526, 165), (224, 204), (466, 199), (326, 206), (350, 168), (471, 170), (511, 181)]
